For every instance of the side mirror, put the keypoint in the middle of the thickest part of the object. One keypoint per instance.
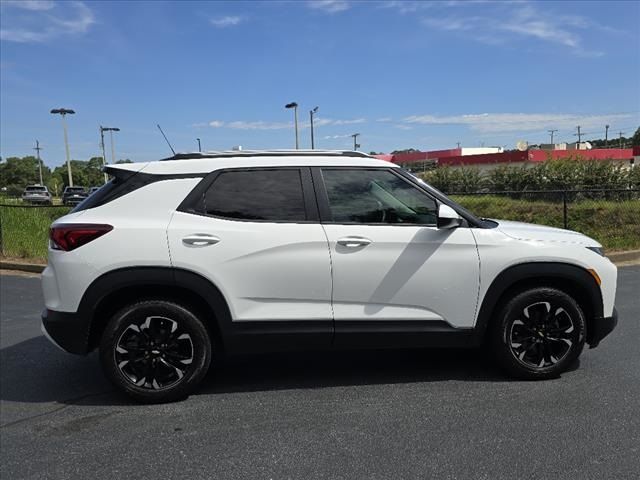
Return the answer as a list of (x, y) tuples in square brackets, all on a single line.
[(448, 218)]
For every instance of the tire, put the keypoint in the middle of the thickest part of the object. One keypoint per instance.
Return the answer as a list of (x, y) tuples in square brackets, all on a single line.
[(155, 351), (538, 334)]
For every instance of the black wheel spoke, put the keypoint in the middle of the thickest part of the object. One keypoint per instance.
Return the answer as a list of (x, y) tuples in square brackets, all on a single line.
[(542, 335), (155, 353)]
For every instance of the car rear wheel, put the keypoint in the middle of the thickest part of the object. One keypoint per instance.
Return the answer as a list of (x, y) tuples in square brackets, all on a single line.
[(538, 334), (155, 351)]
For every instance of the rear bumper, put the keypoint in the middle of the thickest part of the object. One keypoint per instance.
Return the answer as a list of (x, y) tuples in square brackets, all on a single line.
[(601, 327), (66, 330)]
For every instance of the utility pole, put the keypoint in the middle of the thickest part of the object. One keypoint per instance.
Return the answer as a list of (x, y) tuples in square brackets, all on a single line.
[(356, 145), (458, 143), (579, 135), (37, 149), (63, 112), (552, 132), (311, 112), (620, 133), (199, 146), (606, 136)]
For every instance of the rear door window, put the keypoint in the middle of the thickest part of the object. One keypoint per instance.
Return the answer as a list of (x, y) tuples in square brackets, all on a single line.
[(271, 195)]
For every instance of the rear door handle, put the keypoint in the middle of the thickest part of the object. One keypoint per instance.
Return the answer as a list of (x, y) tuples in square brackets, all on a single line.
[(354, 242), (200, 240)]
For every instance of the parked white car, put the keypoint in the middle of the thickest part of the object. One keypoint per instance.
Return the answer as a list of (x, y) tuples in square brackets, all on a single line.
[(37, 195), (175, 263)]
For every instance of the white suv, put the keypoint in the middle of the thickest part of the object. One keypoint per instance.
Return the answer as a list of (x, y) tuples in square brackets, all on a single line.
[(174, 263)]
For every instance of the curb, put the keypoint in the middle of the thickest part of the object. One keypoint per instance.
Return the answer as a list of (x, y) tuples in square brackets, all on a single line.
[(628, 256), (22, 266), (625, 258)]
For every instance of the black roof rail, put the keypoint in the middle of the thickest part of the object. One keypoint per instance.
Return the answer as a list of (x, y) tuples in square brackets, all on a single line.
[(266, 153)]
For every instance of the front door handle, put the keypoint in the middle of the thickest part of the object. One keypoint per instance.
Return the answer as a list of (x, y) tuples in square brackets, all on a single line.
[(200, 240), (354, 242)]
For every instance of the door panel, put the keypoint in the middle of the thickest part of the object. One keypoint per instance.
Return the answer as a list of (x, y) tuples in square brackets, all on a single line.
[(266, 271), (404, 273), (389, 260), (254, 233)]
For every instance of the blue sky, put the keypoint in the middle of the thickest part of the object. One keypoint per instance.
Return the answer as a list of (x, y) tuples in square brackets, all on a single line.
[(402, 74)]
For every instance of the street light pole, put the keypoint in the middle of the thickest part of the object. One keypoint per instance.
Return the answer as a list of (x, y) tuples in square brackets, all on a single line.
[(104, 154), (63, 112), (37, 149), (356, 145), (311, 112), (294, 105), (113, 150), (199, 146)]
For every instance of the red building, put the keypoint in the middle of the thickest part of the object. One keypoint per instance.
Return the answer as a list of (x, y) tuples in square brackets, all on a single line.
[(460, 156)]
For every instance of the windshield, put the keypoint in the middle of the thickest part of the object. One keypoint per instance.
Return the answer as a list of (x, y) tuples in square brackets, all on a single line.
[(36, 189), (74, 190)]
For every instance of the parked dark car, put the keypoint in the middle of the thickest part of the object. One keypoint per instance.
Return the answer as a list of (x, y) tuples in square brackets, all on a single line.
[(37, 194), (74, 195), (92, 190)]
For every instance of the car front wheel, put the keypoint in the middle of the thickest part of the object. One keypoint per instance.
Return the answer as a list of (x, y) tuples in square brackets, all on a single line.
[(538, 334), (155, 351)]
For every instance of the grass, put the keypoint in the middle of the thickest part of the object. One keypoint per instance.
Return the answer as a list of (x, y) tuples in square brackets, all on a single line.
[(24, 231), (616, 224)]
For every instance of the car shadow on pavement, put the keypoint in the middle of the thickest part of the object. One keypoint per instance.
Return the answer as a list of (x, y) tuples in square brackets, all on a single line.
[(33, 371)]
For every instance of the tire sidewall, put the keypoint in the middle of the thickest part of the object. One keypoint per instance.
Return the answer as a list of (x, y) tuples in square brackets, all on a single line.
[(512, 309), (187, 321)]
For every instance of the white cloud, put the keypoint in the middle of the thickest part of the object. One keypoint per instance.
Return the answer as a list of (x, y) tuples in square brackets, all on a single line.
[(329, 6), (264, 125), (384, 119), (227, 21), (348, 122), (522, 122), (334, 137), (34, 5), (502, 22), (75, 18)]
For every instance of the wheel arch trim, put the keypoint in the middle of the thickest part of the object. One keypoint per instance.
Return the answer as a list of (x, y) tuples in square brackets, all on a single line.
[(575, 276), (152, 277)]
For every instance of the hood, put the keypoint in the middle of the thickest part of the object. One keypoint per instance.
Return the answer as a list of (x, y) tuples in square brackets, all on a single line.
[(529, 231)]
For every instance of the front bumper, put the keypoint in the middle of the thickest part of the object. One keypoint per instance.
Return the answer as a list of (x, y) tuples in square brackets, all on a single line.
[(600, 328), (66, 330)]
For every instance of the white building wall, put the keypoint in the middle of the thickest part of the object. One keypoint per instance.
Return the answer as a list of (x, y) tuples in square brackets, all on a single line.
[(480, 150)]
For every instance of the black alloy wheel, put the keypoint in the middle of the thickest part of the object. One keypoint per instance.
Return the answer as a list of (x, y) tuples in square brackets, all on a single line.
[(538, 333)]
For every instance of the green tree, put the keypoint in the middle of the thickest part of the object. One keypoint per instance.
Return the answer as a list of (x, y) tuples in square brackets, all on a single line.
[(635, 140), (16, 173)]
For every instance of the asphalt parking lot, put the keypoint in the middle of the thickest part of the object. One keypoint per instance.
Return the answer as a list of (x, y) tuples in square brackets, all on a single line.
[(350, 415)]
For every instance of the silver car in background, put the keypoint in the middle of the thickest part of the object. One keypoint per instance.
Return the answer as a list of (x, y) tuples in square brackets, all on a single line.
[(37, 194)]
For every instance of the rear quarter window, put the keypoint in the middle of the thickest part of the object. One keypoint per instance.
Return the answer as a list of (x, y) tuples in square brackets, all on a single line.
[(271, 195)]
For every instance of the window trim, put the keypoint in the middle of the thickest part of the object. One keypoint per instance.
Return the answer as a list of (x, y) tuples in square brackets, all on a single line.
[(189, 204), (323, 197)]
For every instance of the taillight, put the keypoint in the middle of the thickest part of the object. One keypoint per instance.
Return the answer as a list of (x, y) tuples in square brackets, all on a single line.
[(69, 236)]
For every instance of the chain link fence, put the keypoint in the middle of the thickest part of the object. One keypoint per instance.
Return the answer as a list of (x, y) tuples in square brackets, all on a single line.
[(24, 229), (611, 216)]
